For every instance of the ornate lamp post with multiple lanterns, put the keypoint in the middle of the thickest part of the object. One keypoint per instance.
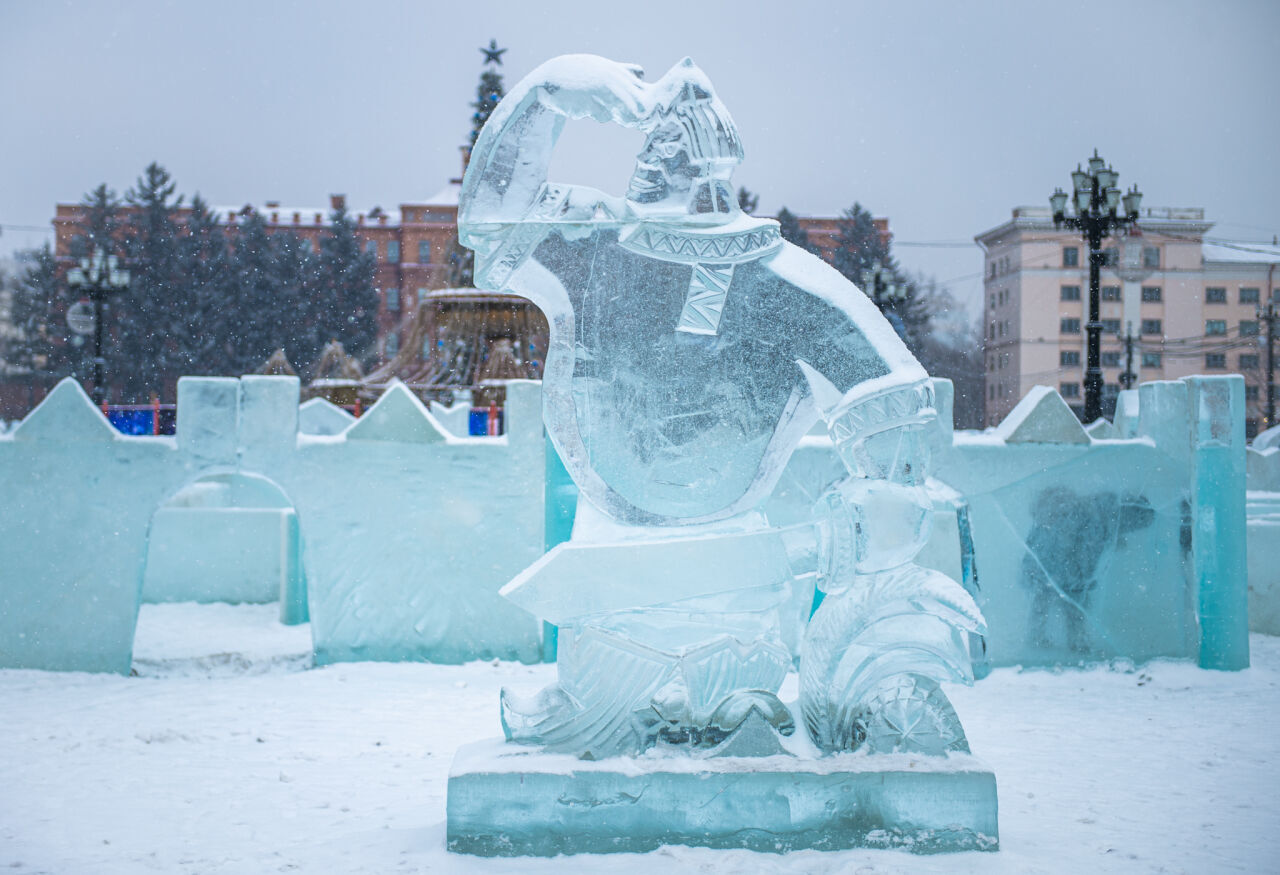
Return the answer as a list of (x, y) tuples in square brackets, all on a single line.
[(98, 276), (1096, 200)]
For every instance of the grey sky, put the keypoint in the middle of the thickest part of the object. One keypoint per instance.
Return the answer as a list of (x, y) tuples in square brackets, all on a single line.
[(940, 115)]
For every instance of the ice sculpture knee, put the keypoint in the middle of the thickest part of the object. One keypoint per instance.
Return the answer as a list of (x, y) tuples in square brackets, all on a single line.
[(690, 350)]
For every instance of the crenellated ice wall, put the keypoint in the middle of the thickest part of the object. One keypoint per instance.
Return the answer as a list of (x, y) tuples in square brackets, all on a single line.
[(1123, 540), (405, 530)]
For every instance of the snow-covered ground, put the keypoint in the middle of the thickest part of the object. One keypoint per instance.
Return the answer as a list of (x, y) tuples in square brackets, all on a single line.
[(227, 754)]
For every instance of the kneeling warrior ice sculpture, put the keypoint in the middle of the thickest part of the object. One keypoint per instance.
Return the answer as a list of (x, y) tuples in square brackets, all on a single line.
[(691, 348)]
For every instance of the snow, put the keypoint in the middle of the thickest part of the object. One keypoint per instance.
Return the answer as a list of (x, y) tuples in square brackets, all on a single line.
[(1244, 252), (445, 197), (228, 755)]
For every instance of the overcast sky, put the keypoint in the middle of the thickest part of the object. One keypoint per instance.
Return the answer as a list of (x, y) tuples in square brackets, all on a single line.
[(940, 115)]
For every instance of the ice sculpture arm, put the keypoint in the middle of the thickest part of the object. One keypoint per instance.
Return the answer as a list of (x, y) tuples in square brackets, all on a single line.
[(511, 158)]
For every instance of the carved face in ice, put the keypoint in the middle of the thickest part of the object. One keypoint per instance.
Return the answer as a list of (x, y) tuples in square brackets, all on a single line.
[(688, 158)]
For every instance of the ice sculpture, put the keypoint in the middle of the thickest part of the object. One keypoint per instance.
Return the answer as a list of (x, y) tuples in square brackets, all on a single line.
[(690, 350)]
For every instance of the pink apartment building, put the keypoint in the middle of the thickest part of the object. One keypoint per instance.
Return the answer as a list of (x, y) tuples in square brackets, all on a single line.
[(1196, 310)]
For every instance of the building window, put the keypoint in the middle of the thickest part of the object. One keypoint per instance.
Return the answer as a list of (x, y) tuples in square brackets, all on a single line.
[(1151, 326), (1250, 393), (393, 344), (1151, 294), (1068, 357), (993, 269), (1111, 359), (424, 252), (422, 296), (393, 251), (1247, 296), (1071, 256), (1248, 328), (1215, 326), (1110, 256), (392, 295), (1070, 293), (1248, 362), (1110, 326), (1216, 360), (1070, 326), (1110, 390), (1151, 256), (1216, 295), (1069, 390), (1151, 360), (1111, 293), (371, 247)]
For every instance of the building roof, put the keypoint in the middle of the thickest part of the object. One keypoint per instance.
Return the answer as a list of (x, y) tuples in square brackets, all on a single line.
[(1182, 219), (1241, 253), (445, 197)]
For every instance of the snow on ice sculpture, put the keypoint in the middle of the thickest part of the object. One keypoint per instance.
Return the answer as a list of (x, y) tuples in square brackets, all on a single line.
[(691, 348)]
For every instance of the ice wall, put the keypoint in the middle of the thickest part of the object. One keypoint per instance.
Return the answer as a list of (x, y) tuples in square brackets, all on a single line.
[(406, 531), (1124, 539), (1263, 531), (1091, 548)]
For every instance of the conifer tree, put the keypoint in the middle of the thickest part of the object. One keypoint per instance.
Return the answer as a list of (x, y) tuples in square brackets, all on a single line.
[(748, 200), (861, 247), (101, 223), (349, 302), (300, 302), (41, 345), (251, 297), (147, 344), (792, 231), (489, 91), (206, 319)]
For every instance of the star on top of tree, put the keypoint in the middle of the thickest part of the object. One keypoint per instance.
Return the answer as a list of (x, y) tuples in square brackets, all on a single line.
[(493, 54)]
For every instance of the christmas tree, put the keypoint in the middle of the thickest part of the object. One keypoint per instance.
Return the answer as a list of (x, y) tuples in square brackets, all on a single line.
[(489, 90), (488, 93)]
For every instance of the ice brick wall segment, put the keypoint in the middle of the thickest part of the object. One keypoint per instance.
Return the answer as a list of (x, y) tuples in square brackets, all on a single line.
[(406, 533)]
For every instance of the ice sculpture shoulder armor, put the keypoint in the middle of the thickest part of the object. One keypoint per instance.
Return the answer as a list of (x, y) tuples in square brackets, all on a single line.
[(691, 348), (685, 335)]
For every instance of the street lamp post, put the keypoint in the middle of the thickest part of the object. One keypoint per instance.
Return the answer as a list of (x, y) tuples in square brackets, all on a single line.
[(98, 276), (1132, 270), (1096, 200), (1269, 315)]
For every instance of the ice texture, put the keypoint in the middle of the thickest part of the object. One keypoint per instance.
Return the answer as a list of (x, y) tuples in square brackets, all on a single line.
[(517, 802), (1127, 547), (395, 522), (691, 350)]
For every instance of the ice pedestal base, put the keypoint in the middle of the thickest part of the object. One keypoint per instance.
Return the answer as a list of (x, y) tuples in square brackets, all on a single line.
[(506, 800)]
